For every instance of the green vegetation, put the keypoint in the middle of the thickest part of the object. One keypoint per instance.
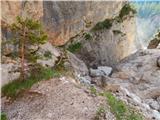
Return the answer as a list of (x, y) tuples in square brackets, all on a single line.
[(74, 47), (38, 73), (126, 10), (60, 66), (48, 54), (117, 32), (93, 90), (106, 24), (3, 116), (100, 113), (120, 109), (87, 36)]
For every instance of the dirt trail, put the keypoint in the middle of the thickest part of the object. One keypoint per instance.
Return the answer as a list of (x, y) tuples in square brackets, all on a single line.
[(55, 99)]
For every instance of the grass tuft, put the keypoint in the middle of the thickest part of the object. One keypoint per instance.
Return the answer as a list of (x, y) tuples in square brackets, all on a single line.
[(14, 88), (87, 36), (120, 109), (93, 90), (75, 47), (3, 116), (100, 114)]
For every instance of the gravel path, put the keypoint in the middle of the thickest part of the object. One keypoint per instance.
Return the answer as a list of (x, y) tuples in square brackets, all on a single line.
[(55, 99)]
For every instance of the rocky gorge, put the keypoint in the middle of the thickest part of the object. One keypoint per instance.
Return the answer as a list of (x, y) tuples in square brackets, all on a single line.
[(92, 48)]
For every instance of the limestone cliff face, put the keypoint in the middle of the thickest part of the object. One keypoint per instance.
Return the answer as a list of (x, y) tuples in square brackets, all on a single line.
[(66, 19), (62, 20)]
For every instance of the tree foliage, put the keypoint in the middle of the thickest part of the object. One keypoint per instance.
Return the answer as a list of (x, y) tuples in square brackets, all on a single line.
[(27, 32)]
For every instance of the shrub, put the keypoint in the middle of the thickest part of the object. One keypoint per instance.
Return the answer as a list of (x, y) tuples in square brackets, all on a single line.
[(106, 24), (87, 36), (100, 113), (74, 47), (126, 9), (3, 116), (93, 90), (48, 54)]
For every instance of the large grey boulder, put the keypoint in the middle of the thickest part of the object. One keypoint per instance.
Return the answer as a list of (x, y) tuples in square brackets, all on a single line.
[(101, 71), (80, 69)]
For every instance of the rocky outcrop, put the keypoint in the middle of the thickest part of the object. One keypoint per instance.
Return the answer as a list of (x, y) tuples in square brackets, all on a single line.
[(138, 77), (80, 69), (107, 46)]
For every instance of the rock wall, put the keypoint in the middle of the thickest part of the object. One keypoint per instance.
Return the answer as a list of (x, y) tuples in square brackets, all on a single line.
[(66, 19), (62, 20)]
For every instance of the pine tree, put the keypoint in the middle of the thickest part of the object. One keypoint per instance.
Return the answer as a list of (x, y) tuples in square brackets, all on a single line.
[(27, 32)]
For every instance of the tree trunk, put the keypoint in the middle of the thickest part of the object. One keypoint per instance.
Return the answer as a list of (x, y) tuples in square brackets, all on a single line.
[(22, 56)]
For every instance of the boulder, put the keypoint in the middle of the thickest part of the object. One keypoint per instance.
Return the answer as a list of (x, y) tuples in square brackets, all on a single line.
[(9, 72), (80, 69), (49, 55), (78, 65), (101, 71), (95, 73), (153, 104), (106, 70)]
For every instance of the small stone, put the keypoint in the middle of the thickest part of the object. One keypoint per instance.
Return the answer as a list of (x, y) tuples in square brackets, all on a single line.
[(101, 71), (106, 70), (158, 61), (95, 73), (153, 104)]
